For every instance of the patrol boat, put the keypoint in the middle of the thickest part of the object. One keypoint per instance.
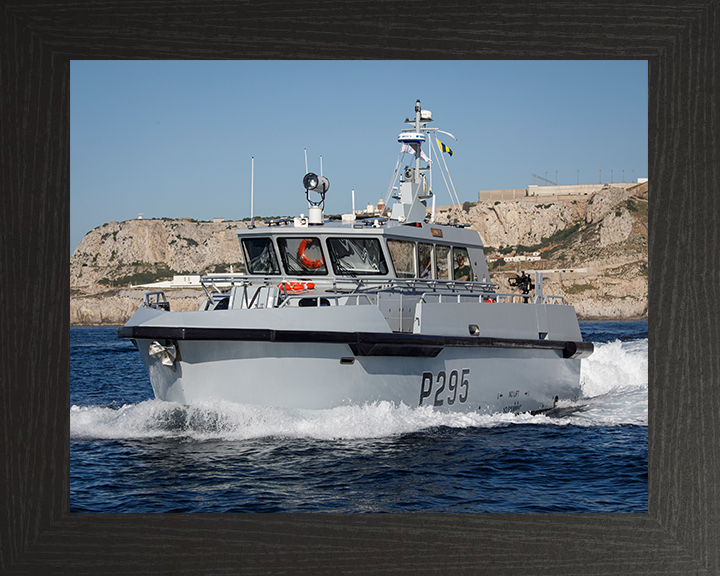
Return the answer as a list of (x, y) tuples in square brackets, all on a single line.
[(331, 313)]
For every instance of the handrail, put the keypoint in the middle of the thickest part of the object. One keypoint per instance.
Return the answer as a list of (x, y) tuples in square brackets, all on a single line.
[(160, 302), (346, 287), (357, 283), (507, 297), (513, 298), (287, 303)]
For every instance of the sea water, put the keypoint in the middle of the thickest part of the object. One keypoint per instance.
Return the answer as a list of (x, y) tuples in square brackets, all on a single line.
[(132, 453)]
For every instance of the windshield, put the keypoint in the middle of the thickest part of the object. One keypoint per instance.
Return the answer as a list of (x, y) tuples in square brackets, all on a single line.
[(260, 256), (357, 256), (302, 256)]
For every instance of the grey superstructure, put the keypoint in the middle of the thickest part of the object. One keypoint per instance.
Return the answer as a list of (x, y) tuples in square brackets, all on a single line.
[(332, 313)]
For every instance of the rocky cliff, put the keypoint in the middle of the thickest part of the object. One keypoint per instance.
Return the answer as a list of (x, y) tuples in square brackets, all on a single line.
[(114, 307), (120, 254), (606, 220), (596, 247)]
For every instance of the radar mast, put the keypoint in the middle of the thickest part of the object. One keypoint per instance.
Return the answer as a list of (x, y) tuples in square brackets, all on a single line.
[(414, 187)]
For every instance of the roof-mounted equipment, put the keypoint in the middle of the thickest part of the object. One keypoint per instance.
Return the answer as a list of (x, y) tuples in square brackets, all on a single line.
[(319, 184)]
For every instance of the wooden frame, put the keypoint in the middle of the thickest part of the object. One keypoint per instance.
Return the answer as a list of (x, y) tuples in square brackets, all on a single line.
[(680, 533)]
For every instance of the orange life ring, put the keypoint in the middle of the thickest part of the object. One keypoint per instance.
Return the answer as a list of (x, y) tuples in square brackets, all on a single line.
[(296, 286), (304, 260)]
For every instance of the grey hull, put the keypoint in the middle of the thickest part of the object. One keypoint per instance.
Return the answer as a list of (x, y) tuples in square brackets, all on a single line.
[(326, 375)]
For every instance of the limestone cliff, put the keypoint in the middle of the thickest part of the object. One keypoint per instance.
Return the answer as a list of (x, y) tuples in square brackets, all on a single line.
[(118, 254), (596, 245), (526, 222), (114, 307)]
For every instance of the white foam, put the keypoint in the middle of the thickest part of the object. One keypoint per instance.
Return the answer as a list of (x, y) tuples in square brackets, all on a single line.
[(613, 381), (614, 384), (230, 421)]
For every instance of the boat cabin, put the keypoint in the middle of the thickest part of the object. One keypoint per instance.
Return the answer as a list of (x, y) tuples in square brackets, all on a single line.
[(373, 249)]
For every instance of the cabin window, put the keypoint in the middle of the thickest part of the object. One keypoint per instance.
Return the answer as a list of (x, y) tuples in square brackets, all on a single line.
[(302, 256), (356, 256), (425, 261), (402, 254), (260, 256), (443, 259), (462, 270)]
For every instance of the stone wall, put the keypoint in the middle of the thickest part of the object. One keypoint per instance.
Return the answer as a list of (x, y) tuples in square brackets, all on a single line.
[(502, 195), (575, 189)]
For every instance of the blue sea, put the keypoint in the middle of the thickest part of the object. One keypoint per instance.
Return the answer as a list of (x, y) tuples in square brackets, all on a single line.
[(132, 453)]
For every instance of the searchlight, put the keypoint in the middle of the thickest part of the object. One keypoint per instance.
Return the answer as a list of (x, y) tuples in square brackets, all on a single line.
[(320, 184)]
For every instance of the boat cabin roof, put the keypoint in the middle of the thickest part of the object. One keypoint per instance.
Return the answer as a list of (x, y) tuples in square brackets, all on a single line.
[(416, 231)]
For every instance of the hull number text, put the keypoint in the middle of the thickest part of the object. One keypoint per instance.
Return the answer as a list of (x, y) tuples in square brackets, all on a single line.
[(450, 389)]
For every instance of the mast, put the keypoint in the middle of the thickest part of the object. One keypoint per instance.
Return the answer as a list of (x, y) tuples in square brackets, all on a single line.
[(414, 188), (416, 145)]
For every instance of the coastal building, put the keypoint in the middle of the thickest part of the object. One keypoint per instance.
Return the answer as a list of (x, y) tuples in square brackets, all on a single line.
[(535, 190), (374, 209), (184, 281), (523, 258), (179, 282)]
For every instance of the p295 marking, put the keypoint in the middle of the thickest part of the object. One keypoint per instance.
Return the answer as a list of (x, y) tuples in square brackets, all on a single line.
[(458, 387)]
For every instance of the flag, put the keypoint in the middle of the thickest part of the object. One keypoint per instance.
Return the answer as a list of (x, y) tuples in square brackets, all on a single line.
[(443, 148), (407, 148)]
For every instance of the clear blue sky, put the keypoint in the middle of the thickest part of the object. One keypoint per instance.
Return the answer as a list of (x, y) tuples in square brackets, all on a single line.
[(175, 138)]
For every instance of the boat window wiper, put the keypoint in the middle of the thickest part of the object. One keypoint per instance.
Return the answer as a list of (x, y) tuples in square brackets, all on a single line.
[(340, 267), (293, 264)]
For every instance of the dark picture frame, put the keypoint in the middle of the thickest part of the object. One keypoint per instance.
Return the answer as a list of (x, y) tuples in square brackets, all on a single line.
[(679, 535)]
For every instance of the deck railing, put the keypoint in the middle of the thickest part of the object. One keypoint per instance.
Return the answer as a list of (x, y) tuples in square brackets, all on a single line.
[(361, 291), (216, 282)]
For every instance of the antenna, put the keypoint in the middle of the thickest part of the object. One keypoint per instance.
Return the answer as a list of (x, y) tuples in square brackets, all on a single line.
[(252, 192), (430, 149), (321, 166), (306, 168)]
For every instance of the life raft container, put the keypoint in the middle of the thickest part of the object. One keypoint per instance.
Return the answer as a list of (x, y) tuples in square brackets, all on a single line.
[(304, 260)]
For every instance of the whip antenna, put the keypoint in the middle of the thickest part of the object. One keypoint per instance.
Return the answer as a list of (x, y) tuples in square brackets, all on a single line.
[(252, 192)]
